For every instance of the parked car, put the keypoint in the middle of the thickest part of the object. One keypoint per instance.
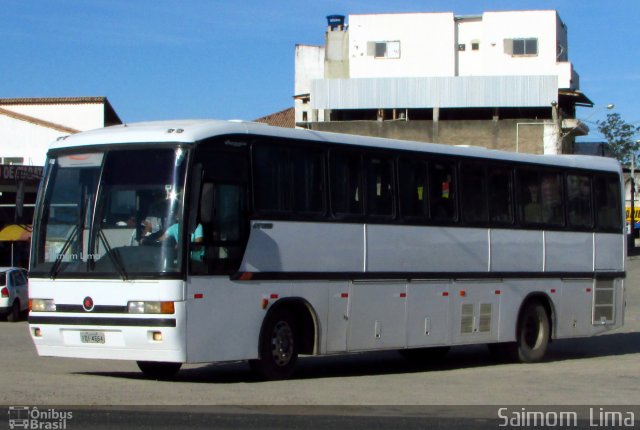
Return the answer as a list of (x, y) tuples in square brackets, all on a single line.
[(14, 293)]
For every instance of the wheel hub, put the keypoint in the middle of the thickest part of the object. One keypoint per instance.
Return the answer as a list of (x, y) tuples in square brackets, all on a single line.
[(282, 343)]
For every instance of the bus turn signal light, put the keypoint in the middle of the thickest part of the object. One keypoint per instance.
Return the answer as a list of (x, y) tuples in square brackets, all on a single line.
[(140, 307)]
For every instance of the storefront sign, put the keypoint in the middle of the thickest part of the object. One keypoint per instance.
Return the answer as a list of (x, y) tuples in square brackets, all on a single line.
[(10, 174)]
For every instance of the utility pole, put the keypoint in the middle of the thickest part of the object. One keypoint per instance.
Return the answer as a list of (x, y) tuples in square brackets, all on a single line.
[(557, 128), (631, 242)]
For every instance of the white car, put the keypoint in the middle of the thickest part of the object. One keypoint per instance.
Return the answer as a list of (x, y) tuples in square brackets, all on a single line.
[(14, 293)]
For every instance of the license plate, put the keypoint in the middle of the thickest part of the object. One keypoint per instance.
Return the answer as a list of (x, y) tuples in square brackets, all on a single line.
[(92, 337)]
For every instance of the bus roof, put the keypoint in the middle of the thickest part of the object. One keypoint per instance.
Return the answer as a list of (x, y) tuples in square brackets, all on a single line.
[(192, 131)]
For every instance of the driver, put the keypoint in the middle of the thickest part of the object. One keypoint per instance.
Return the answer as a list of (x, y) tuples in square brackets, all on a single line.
[(197, 237)]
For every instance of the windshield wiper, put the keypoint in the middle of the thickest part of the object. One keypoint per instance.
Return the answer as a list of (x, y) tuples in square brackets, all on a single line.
[(55, 268), (114, 256), (77, 230)]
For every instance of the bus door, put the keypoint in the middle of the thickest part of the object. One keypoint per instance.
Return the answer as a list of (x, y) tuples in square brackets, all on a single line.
[(219, 227)]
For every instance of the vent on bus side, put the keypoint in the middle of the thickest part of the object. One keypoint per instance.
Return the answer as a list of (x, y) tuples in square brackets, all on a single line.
[(604, 302), (485, 318), (466, 322)]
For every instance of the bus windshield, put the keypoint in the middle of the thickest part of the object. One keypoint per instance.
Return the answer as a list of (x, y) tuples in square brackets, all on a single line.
[(111, 214)]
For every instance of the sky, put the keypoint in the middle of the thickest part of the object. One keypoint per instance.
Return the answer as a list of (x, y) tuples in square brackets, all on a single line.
[(170, 59)]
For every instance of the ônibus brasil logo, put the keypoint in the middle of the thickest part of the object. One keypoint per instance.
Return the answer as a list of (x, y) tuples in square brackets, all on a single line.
[(25, 417)]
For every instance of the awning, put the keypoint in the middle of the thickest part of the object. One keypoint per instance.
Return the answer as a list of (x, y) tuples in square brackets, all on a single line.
[(577, 97), (15, 233)]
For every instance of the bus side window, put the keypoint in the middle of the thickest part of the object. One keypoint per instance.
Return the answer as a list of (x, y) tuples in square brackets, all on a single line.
[(224, 223), (473, 187), (442, 189), (540, 197), (607, 202), (412, 175), (272, 181), (552, 205), (500, 195), (530, 207), (579, 201), (379, 195), (346, 183)]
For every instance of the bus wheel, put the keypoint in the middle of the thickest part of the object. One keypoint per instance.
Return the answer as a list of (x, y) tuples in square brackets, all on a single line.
[(159, 369), (532, 337), (278, 347)]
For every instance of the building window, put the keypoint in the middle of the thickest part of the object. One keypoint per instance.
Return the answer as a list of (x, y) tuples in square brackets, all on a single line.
[(521, 47), (475, 45), (461, 47), (384, 49)]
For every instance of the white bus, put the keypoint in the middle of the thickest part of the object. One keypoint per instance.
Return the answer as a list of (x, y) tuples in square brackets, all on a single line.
[(212, 241)]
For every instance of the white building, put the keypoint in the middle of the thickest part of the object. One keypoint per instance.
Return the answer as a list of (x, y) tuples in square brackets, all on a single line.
[(500, 79), (27, 127)]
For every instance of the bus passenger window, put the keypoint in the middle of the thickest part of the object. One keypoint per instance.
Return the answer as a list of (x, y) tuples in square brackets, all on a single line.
[(607, 202), (379, 186), (442, 190), (579, 201), (413, 183), (473, 192), (551, 189), (530, 207), (308, 181), (500, 195), (272, 182), (346, 187), (540, 197)]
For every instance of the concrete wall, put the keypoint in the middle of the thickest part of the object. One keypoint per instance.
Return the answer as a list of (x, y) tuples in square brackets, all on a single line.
[(470, 61), (309, 65), (429, 44), (336, 61), (498, 26), (502, 134), (426, 44)]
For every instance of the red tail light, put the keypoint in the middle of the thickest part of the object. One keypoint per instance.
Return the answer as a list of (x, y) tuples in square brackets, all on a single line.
[(4, 292)]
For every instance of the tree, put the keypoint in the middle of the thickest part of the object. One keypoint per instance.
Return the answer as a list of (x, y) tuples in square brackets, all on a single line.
[(620, 137)]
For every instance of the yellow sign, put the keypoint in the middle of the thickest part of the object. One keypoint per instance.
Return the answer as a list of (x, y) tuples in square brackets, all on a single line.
[(636, 213)]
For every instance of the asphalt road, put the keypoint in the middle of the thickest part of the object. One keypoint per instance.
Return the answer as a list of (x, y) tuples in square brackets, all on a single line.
[(598, 371)]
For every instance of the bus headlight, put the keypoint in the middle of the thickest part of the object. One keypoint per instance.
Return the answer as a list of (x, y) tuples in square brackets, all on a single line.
[(42, 305), (150, 307)]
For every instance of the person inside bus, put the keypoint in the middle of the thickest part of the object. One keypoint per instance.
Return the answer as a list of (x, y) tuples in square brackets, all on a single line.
[(152, 223), (197, 237), (532, 207)]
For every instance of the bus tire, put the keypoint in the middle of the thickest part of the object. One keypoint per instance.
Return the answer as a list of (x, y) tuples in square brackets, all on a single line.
[(278, 347), (532, 337), (159, 369)]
